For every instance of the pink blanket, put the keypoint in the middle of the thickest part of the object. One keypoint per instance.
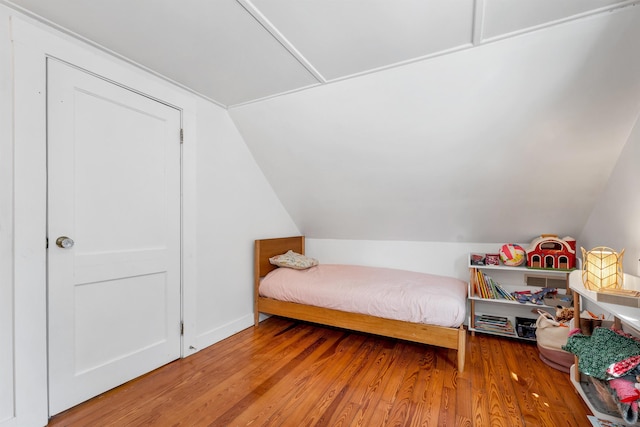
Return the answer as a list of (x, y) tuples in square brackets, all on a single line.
[(382, 292)]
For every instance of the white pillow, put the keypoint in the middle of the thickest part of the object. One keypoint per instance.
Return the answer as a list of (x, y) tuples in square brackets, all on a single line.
[(293, 260)]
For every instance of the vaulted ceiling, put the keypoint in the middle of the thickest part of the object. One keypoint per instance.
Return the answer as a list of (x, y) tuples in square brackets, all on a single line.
[(439, 120), (236, 51)]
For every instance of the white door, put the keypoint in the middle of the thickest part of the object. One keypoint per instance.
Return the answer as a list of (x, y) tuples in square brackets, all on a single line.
[(114, 191)]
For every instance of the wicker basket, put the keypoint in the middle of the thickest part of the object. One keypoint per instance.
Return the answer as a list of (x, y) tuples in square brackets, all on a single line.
[(605, 395)]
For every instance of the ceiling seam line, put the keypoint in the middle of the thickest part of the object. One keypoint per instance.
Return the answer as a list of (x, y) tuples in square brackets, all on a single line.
[(456, 49), (561, 21), (281, 39), (478, 22)]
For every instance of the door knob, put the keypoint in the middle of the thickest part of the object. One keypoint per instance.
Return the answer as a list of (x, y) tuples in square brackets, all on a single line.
[(64, 242)]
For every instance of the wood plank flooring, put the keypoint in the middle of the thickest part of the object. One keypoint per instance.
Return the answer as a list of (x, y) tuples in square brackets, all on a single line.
[(287, 373)]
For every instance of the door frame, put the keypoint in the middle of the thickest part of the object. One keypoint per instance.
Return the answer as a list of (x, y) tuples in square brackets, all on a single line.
[(32, 44)]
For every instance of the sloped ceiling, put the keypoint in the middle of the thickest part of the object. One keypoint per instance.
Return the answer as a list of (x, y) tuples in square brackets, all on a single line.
[(237, 51), (502, 142), (473, 121)]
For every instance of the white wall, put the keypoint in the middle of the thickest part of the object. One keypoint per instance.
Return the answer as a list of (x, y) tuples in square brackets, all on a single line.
[(442, 258), (235, 206), (615, 220), (6, 229), (226, 204)]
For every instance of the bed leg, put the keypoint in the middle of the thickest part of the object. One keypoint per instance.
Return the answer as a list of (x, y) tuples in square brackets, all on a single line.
[(462, 344), (256, 318)]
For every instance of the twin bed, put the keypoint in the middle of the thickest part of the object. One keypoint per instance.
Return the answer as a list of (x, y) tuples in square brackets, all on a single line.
[(432, 314)]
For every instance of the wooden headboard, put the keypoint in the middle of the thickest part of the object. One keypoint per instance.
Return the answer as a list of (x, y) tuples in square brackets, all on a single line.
[(265, 249)]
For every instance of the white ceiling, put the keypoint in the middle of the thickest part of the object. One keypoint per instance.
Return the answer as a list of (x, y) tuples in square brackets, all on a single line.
[(440, 120), (235, 52), (502, 142)]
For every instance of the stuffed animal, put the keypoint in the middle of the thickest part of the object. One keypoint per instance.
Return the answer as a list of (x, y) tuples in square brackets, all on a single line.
[(564, 314)]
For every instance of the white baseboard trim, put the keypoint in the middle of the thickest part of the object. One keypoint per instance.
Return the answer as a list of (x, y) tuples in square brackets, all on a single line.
[(224, 331)]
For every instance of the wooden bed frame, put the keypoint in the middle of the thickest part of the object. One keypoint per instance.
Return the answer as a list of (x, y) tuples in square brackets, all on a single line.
[(453, 338)]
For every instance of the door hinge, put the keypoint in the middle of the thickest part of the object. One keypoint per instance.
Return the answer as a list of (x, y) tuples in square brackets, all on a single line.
[(47, 243), (181, 136), (181, 328)]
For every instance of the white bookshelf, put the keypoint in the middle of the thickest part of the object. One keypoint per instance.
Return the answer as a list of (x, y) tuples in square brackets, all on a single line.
[(512, 279)]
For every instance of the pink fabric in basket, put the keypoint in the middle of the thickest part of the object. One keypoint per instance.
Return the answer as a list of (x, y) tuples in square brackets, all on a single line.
[(382, 292)]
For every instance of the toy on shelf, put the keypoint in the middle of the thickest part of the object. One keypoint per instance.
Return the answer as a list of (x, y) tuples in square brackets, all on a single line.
[(524, 297), (512, 255), (550, 252), (492, 259)]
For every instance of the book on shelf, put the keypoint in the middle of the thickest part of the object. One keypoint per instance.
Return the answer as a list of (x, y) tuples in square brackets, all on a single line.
[(488, 288), (491, 323)]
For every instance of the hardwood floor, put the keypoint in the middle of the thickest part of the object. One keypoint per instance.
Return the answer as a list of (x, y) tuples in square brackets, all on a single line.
[(287, 373)]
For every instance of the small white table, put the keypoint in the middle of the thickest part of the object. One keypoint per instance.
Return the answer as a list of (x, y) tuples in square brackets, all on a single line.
[(622, 313)]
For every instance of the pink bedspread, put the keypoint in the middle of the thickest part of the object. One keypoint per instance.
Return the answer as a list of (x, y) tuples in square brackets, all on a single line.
[(382, 292)]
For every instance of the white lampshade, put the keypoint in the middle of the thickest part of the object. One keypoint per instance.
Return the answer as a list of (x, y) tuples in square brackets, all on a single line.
[(602, 269)]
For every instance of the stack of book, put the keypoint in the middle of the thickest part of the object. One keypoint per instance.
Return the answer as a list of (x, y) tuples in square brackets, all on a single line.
[(488, 288), (497, 324)]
